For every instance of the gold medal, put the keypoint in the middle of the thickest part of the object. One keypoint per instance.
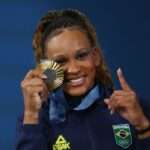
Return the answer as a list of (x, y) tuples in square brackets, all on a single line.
[(54, 73)]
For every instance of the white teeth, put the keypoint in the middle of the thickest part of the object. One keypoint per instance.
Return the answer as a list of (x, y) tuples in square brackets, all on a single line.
[(77, 81)]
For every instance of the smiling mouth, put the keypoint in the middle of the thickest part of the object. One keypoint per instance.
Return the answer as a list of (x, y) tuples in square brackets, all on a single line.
[(76, 82)]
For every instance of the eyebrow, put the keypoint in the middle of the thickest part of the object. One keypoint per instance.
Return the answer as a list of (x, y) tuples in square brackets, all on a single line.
[(60, 56), (83, 49)]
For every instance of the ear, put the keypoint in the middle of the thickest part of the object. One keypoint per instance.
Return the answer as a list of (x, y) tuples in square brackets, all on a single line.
[(97, 56)]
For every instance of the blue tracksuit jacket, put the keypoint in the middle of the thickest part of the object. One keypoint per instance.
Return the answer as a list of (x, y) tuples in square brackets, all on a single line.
[(92, 128)]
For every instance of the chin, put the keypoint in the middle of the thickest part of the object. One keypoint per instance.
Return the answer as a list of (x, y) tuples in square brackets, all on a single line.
[(76, 91)]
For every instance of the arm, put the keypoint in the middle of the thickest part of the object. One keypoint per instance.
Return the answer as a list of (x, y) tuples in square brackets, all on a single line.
[(126, 102), (144, 136), (33, 127), (34, 136)]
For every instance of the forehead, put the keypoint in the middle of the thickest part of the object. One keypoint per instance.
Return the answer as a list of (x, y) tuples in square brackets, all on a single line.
[(67, 42)]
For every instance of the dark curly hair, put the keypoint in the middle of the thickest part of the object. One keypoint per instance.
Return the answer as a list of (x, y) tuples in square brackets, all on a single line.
[(53, 23)]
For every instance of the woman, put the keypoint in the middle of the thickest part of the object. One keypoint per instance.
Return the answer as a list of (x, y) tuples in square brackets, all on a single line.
[(86, 112)]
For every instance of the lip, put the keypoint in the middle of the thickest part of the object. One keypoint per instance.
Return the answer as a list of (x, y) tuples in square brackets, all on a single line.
[(76, 81)]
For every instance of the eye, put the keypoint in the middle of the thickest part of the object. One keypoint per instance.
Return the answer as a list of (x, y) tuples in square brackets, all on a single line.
[(83, 54), (61, 61)]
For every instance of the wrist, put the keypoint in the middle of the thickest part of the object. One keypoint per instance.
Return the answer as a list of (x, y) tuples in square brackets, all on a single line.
[(144, 124), (31, 117), (143, 131)]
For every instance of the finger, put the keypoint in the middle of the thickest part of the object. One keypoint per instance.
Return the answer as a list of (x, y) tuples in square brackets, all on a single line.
[(112, 111), (28, 74), (33, 82), (125, 94), (107, 102), (113, 105), (38, 100), (120, 93), (122, 80), (34, 89), (35, 73), (41, 94), (120, 101)]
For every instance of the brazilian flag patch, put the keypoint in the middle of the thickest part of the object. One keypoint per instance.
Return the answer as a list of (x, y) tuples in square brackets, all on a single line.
[(122, 135)]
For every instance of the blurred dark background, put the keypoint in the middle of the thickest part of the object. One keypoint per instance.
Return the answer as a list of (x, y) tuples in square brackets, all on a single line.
[(122, 26)]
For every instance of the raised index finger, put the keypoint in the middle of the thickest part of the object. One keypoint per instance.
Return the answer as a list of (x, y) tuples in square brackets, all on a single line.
[(125, 86)]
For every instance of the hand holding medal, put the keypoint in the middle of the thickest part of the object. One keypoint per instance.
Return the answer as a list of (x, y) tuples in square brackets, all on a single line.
[(36, 86)]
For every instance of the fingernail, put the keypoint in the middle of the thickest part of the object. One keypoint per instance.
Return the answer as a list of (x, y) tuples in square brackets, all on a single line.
[(106, 100), (44, 76), (109, 107), (119, 70), (111, 112)]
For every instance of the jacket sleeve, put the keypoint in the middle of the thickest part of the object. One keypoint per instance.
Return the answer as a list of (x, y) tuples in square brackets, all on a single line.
[(144, 144), (34, 137)]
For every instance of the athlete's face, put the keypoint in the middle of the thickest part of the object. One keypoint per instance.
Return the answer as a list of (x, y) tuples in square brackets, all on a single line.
[(73, 51)]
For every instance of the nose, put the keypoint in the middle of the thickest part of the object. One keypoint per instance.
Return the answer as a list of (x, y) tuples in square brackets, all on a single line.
[(73, 67)]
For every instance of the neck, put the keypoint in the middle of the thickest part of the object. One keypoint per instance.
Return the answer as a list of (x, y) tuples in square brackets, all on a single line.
[(74, 101)]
